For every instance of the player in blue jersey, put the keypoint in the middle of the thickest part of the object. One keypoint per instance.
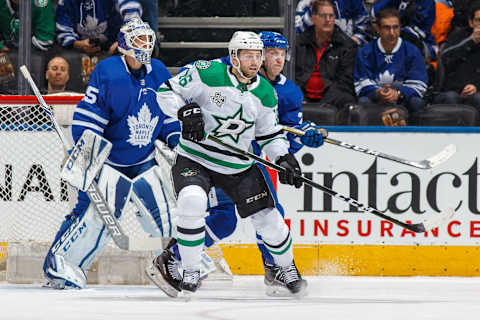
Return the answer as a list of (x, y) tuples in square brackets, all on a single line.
[(120, 106), (222, 225)]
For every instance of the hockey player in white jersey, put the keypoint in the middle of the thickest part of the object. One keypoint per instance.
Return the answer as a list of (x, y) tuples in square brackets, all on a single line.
[(220, 224), (119, 106), (236, 105)]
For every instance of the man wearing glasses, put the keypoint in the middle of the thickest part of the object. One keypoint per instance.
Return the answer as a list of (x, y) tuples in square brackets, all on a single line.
[(325, 57), (390, 70)]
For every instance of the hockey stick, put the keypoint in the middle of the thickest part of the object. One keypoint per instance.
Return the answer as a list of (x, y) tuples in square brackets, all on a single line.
[(112, 225), (417, 227), (428, 163)]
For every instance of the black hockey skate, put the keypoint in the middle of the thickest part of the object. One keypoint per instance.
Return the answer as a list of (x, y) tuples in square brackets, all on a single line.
[(287, 281), (164, 273), (191, 280)]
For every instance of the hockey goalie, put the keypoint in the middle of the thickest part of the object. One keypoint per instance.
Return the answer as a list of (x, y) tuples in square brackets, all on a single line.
[(114, 129)]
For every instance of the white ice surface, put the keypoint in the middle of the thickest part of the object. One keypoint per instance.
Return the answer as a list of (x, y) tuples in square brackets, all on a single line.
[(329, 298)]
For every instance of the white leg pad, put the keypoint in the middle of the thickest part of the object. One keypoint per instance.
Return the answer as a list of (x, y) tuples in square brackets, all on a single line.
[(62, 273), (87, 236), (155, 204)]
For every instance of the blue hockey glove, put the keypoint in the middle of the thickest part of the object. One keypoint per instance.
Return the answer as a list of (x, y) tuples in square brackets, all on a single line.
[(313, 137), (292, 169), (192, 122)]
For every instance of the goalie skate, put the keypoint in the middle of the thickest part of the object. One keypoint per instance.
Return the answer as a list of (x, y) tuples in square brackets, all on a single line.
[(164, 273)]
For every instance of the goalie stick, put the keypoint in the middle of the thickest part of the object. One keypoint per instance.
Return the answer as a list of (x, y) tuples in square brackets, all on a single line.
[(112, 225), (428, 163), (417, 227)]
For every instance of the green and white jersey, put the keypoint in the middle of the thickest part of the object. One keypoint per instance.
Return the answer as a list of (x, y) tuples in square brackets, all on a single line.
[(234, 112)]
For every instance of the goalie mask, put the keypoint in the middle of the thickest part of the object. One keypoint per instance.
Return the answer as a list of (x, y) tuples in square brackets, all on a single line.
[(136, 39), (244, 40)]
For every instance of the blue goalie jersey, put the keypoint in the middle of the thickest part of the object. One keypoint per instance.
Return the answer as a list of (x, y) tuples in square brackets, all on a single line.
[(124, 109), (403, 69)]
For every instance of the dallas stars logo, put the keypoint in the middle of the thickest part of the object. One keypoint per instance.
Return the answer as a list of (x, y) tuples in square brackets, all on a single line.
[(233, 126)]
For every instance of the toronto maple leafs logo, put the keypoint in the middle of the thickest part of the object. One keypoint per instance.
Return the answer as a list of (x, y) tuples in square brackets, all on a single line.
[(141, 127), (218, 99), (385, 78), (232, 126), (89, 28)]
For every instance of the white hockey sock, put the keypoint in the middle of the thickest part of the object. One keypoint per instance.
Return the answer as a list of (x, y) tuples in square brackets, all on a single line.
[(270, 225), (192, 204), (190, 239)]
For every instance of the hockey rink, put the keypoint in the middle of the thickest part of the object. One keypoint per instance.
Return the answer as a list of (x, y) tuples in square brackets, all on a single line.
[(329, 298)]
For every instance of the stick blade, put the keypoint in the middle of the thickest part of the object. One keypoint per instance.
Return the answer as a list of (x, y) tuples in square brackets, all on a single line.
[(442, 156), (439, 220), (145, 244), (25, 71)]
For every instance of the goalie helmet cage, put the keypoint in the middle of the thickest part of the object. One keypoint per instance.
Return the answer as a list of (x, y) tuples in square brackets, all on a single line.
[(34, 200)]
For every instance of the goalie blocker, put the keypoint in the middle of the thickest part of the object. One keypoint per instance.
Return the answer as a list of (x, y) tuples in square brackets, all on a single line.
[(86, 160)]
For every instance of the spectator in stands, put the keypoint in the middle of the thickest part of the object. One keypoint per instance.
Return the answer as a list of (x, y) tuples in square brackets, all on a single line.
[(390, 70), (461, 63), (91, 26), (350, 16), (416, 17), (150, 13), (461, 10), (324, 59), (443, 21), (43, 24), (57, 74)]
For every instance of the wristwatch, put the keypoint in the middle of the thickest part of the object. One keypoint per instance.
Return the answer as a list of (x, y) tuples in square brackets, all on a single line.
[(400, 96)]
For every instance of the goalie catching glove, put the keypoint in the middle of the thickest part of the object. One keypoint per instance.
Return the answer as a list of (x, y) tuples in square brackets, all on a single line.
[(292, 170), (192, 122)]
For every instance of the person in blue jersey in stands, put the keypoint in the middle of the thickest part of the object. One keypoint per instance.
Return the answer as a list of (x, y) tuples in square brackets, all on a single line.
[(91, 26), (221, 225), (350, 16), (120, 105)]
